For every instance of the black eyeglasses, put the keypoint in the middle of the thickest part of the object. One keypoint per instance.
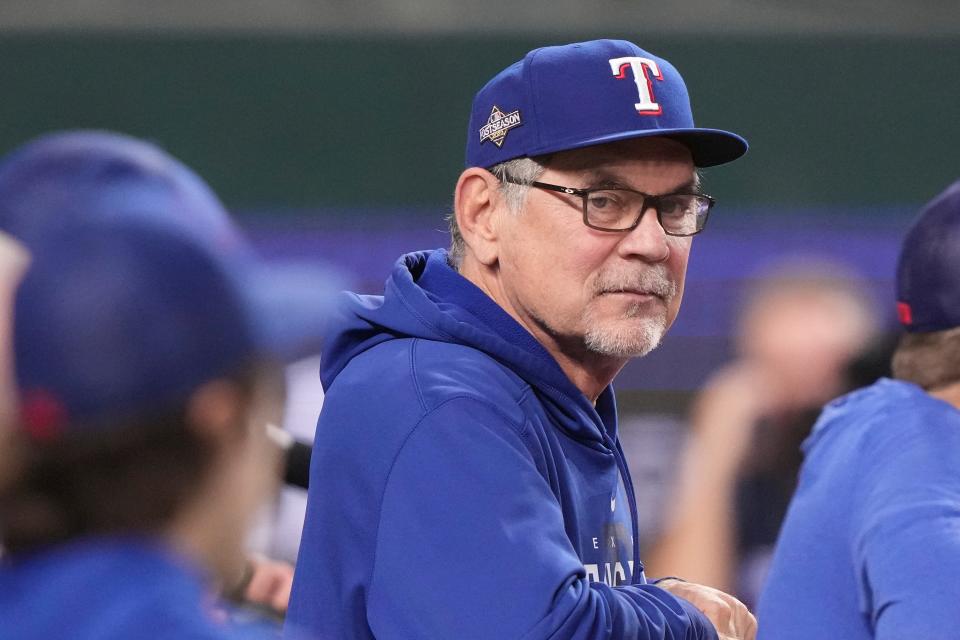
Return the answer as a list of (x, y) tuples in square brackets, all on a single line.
[(680, 214)]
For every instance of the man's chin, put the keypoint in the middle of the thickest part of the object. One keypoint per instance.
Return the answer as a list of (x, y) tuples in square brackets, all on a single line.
[(634, 342)]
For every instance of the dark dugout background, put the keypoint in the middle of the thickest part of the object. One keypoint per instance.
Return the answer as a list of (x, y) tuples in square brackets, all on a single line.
[(346, 146)]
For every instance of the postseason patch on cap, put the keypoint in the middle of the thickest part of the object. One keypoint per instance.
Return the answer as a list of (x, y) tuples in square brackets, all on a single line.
[(498, 125)]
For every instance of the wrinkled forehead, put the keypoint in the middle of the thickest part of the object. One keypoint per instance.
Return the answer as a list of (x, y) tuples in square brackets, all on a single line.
[(638, 151)]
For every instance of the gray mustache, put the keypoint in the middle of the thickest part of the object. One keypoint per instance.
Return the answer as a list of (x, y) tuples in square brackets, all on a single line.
[(655, 282)]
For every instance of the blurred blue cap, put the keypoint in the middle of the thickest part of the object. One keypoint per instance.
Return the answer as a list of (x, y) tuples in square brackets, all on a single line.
[(79, 175), (928, 272), (583, 94), (140, 287)]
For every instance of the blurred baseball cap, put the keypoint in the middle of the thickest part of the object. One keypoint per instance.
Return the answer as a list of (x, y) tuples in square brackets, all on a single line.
[(928, 272), (117, 317), (140, 287), (79, 175), (578, 95)]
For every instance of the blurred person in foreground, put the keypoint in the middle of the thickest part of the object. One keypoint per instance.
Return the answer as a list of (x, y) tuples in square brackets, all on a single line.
[(870, 547), (467, 448), (147, 353), (802, 324), (81, 175)]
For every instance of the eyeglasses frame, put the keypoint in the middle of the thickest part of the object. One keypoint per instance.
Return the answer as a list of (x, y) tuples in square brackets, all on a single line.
[(648, 201)]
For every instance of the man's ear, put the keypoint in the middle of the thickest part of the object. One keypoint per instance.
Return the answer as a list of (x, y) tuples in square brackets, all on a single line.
[(478, 204), (215, 411)]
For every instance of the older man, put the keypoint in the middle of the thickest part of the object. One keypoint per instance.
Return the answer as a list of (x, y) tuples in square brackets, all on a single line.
[(467, 478)]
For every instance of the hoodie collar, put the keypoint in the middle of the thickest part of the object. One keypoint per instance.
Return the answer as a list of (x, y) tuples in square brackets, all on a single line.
[(442, 282), (426, 298), (515, 346)]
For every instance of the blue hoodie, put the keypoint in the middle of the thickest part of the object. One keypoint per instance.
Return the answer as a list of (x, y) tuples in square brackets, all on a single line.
[(462, 487), (111, 588), (870, 548)]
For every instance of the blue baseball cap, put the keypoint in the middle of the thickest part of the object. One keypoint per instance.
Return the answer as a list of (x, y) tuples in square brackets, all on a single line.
[(583, 94), (71, 175), (140, 287), (928, 272)]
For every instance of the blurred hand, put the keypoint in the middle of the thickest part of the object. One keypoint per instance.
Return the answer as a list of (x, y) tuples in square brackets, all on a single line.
[(728, 409), (270, 584), (730, 616), (699, 536)]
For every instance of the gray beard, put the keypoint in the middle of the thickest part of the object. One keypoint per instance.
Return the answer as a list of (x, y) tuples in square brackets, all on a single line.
[(630, 339), (626, 342)]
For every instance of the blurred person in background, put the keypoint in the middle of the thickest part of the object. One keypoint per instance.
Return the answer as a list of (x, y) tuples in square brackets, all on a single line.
[(467, 449), (802, 324), (870, 547), (13, 261), (148, 344)]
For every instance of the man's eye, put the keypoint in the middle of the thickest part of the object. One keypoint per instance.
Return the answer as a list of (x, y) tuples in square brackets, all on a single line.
[(678, 205), (599, 202), (671, 206), (604, 200)]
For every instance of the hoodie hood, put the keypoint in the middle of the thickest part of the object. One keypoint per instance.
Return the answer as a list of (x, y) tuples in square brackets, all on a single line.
[(426, 298)]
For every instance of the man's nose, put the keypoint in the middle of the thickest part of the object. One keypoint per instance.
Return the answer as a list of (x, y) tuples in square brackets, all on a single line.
[(647, 241)]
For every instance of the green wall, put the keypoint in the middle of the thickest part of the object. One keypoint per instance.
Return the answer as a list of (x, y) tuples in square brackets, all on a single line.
[(322, 121)]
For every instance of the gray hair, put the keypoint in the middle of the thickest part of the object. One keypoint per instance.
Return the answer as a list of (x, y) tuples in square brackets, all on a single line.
[(522, 170)]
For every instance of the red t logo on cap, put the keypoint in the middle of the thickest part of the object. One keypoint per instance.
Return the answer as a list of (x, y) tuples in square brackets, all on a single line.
[(647, 105)]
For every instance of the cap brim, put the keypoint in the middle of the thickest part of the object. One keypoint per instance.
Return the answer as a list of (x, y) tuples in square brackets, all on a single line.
[(289, 306), (709, 147)]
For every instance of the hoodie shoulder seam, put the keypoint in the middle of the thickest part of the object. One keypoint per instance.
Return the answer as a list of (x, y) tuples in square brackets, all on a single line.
[(415, 378), (516, 394)]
